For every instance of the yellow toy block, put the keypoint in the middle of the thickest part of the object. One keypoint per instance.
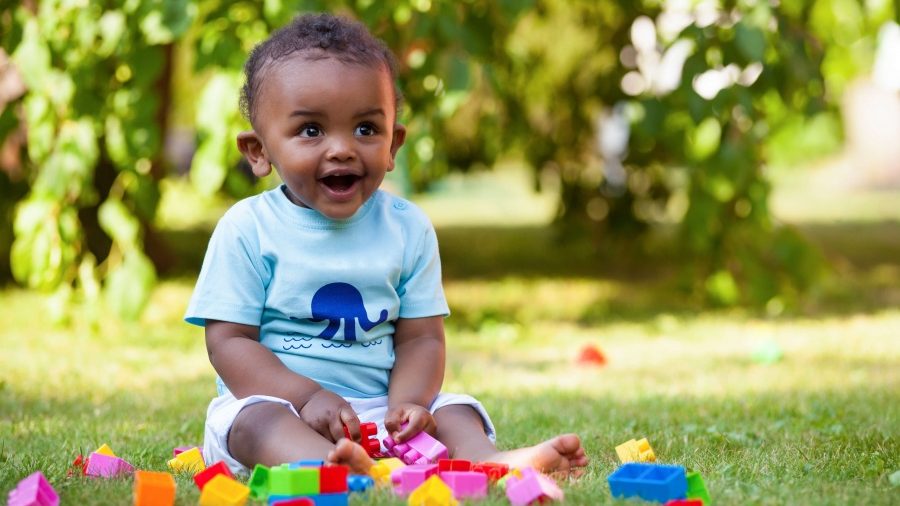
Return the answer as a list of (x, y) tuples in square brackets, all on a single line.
[(434, 492), (381, 471), (392, 463), (635, 451), (153, 489), (190, 461), (223, 491), (105, 450)]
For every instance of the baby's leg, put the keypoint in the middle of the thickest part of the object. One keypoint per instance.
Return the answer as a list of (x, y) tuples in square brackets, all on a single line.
[(461, 430), (270, 434)]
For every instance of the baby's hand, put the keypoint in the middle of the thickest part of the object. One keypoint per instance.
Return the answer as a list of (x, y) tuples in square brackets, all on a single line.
[(326, 412), (418, 419)]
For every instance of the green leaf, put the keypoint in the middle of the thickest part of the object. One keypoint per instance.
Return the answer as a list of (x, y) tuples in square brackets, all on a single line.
[(722, 288), (118, 222), (129, 286), (208, 169), (32, 57), (704, 140), (112, 29)]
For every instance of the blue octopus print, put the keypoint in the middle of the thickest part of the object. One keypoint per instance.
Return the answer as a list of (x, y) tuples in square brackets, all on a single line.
[(342, 302)]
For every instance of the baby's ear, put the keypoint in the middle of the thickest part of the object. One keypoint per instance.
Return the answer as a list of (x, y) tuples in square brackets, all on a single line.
[(396, 141), (251, 146)]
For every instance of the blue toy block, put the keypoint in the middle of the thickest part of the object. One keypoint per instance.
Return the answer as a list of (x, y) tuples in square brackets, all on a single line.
[(339, 499), (359, 482), (651, 482), (306, 463)]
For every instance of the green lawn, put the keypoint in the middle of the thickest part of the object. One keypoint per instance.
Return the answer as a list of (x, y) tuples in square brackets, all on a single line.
[(821, 426)]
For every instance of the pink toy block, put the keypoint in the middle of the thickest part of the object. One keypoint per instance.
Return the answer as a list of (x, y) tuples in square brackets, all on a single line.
[(408, 478), (532, 487), (182, 449), (419, 449), (34, 490), (466, 484), (296, 501), (107, 467)]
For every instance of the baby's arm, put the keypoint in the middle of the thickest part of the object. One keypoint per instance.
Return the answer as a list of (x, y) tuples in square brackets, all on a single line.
[(417, 375), (249, 368)]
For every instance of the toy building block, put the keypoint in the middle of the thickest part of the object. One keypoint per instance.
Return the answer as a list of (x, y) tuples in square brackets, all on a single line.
[(340, 499), (635, 451), (359, 483), (306, 463), (284, 481), (203, 477), (685, 502), (493, 470), (153, 489), (433, 492), (259, 483), (101, 465), (696, 488), (406, 479), (224, 491), (591, 355), (79, 465), (190, 461), (419, 449), (382, 470), (295, 501), (532, 488), (33, 490), (181, 449), (368, 439), (466, 484), (105, 450), (333, 479), (453, 465), (651, 482)]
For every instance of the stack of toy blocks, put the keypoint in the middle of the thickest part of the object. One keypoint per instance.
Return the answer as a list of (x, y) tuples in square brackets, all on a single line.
[(104, 463), (433, 492), (224, 491), (190, 461), (419, 449), (34, 490), (462, 480), (651, 482), (533, 487), (153, 489), (635, 451), (301, 482)]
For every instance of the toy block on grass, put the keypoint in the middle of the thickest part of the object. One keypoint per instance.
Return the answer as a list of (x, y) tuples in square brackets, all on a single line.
[(408, 478), (224, 491), (295, 501), (333, 479), (285, 481), (359, 483), (104, 466), (340, 499), (154, 489), (635, 451), (591, 355), (685, 502), (419, 449), (651, 482), (433, 492), (696, 488), (203, 477), (181, 449), (533, 487), (189, 461), (493, 470), (105, 450), (382, 470), (259, 482), (79, 465), (33, 490), (454, 465), (466, 484)]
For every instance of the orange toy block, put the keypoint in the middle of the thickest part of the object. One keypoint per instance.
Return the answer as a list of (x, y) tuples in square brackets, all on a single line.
[(153, 489)]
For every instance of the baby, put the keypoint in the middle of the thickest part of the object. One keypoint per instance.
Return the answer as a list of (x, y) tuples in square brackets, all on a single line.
[(321, 299)]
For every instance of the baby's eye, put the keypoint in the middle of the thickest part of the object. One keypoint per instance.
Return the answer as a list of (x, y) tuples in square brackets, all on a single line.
[(365, 130), (310, 131)]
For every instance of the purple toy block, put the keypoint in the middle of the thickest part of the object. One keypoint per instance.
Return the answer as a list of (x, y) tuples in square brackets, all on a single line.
[(34, 490), (419, 449), (408, 478), (107, 467), (531, 487), (466, 484)]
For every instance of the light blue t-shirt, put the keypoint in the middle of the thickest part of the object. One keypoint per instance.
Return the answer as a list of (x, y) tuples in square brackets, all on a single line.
[(324, 293)]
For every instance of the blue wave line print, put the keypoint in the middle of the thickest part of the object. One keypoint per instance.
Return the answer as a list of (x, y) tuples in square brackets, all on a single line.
[(337, 345), (296, 347), (371, 343)]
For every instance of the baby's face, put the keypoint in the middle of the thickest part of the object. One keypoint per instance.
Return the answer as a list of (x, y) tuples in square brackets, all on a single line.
[(329, 129)]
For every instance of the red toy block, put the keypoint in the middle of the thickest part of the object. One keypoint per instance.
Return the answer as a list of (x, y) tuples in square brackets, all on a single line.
[(333, 479), (445, 465), (80, 464), (494, 470), (591, 355), (368, 441), (685, 502), (210, 472), (296, 501)]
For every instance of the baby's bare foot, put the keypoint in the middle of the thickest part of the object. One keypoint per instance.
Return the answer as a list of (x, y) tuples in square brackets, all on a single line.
[(562, 455), (352, 455)]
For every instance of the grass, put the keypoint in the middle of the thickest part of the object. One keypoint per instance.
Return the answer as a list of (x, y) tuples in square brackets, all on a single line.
[(821, 426)]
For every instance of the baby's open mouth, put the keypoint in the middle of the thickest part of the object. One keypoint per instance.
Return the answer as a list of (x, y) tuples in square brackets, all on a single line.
[(340, 183)]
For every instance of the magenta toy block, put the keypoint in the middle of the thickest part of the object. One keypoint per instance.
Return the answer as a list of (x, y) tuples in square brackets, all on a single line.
[(419, 449), (34, 490), (104, 466), (532, 487), (182, 449), (466, 484), (296, 501), (408, 478)]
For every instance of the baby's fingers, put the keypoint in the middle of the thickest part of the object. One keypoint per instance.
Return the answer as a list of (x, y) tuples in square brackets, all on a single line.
[(393, 421), (350, 425)]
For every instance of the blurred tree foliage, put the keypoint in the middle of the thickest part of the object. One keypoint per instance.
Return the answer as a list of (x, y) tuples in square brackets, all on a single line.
[(645, 112)]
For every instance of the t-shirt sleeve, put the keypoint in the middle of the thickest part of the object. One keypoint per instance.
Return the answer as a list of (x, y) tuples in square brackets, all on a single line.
[(232, 282), (421, 292)]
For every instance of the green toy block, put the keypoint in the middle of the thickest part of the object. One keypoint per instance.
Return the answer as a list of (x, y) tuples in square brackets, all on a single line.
[(291, 482), (696, 488), (259, 483)]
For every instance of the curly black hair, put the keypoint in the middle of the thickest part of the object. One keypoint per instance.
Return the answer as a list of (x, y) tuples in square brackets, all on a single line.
[(343, 38)]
